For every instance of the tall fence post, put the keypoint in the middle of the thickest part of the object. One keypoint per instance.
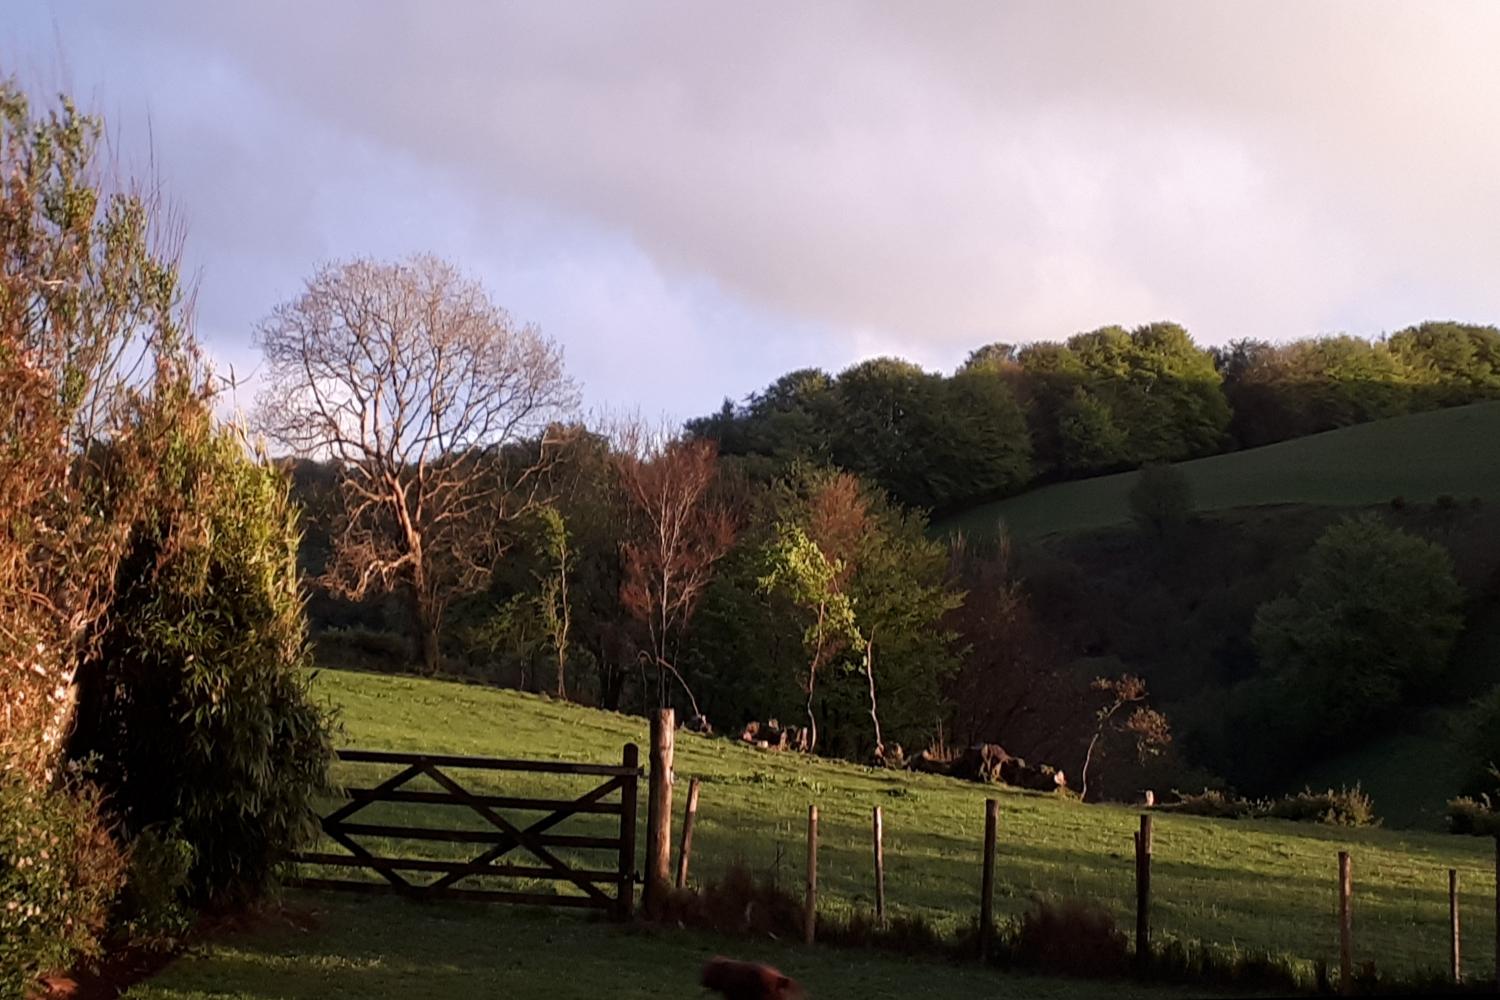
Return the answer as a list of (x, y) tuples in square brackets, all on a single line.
[(1454, 959), (810, 902), (1346, 926), (685, 850), (987, 883), (877, 833), (659, 811), (1143, 892), (630, 757), (1497, 913)]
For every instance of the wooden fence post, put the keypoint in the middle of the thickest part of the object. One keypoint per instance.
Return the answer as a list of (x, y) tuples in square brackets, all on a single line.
[(1143, 892), (1453, 931), (810, 903), (1497, 913), (689, 816), (659, 811), (625, 899), (878, 833), (987, 884), (1346, 926)]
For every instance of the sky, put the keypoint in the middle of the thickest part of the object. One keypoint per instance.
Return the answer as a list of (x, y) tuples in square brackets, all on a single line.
[(694, 197)]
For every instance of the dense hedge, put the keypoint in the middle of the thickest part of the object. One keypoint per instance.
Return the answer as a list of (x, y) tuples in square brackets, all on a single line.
[(196, 706), (59, 873)]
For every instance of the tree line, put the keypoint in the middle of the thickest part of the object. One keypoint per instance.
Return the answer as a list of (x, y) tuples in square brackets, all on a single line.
[(1103, 401)]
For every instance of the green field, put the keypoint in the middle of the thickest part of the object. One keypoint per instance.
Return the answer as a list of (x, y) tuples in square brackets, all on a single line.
[(1419, 457), (1246, 886)]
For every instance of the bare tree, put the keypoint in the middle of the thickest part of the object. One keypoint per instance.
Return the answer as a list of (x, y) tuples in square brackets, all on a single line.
[(423, 391), (681, 530)]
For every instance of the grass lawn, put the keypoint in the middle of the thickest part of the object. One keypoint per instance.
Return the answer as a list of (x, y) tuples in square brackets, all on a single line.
[(359, 949), (1250, 886), (1419, 457)]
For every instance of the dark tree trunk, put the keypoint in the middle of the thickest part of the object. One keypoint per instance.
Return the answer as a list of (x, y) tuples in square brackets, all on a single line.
[(424, 620)]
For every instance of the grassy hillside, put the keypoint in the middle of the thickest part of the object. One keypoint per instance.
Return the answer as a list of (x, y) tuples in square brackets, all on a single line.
[(1264, 885), (1419, 457)]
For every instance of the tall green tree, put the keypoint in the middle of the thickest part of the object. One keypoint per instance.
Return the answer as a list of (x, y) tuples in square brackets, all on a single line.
[(1373, 620), (814, 584)]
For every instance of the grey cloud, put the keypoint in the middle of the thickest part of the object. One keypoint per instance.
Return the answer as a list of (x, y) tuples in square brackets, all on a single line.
[(913, 177)]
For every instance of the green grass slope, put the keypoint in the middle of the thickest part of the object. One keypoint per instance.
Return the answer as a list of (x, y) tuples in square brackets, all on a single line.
[(1419, 457), (1264, 885)]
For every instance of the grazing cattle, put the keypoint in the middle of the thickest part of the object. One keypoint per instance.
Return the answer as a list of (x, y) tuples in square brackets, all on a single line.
[(748, 981), (989, 762), (982, 762), (930, 763)]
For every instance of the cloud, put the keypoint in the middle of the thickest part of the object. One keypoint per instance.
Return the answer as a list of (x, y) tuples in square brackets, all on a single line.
[(693, 194)]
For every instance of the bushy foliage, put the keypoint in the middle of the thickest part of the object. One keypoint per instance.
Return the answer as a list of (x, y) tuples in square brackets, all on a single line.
[(1161, 501), (358, 647), (1374, 617), (1333, 807), (197, 704), (1341, 807), (1479, 737), (1473, 816), (151, 911), (1215, 803), (59, 873), (1075, 936)]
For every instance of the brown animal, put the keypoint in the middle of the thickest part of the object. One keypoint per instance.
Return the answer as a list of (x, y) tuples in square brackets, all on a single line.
[(748, 980)]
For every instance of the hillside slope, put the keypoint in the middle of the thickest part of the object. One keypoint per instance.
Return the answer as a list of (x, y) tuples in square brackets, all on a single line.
[(1418, 457), (1244, 886)]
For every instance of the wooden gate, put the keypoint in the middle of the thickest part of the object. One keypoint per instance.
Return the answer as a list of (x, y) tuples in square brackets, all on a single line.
[(495, 838)]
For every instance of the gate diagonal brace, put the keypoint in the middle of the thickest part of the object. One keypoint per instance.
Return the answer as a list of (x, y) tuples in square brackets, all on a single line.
[(524, 838)]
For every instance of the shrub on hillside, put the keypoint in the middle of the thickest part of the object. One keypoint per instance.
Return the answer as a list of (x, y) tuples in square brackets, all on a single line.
[(59, 872), (1344, 807), (1341, 807), (1474, 817), (1215, 804), (197, 706), (1161, 501)]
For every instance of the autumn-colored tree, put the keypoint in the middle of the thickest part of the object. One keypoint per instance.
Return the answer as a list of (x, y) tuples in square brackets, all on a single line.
[(680, 529), (420, 388), (1146, 728)]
